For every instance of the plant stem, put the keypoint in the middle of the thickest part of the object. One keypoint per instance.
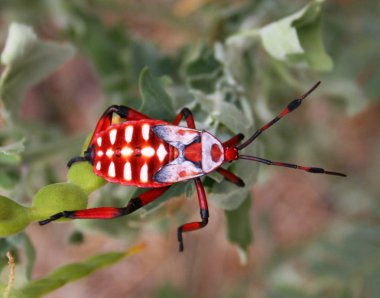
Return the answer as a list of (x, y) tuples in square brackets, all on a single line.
[(11, 276)]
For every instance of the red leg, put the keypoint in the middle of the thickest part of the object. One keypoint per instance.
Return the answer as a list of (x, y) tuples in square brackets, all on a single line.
[(185, 113), (191, 226), (104, 122), (123, 111), (231, 177), (202, 199), (110, 212), (234, 140)]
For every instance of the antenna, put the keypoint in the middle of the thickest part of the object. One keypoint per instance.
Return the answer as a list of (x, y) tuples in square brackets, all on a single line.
[(290, 108)]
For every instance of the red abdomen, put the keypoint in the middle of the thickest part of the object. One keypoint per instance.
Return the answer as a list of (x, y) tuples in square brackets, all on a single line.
[(130, 153)]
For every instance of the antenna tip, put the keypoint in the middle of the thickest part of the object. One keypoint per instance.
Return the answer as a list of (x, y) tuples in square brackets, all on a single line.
[(336, 174), (311, 90)]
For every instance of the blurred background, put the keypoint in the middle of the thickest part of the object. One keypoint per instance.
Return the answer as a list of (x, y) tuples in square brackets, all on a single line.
[(298, 234)]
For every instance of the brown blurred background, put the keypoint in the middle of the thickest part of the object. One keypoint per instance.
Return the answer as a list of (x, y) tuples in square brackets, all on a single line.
[(301, 222)]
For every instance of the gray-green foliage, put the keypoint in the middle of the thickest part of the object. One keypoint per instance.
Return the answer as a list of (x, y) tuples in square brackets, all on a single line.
[(227, 83), (27, 60), (296, 38)]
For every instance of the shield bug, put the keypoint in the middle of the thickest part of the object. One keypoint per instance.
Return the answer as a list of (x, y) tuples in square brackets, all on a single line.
[(156, 154)]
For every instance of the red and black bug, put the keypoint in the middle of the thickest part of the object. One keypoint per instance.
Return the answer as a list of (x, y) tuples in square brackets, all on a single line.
[(155, 154)]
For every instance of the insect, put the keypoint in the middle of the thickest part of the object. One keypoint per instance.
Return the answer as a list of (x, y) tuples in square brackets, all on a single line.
[(156, 154)]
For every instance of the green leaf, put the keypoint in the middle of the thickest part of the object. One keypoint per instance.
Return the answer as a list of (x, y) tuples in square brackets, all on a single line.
[(13, 148), (203, 71), (224, 112), (155, 101), (9, 160), (13, 217), (239, 227), (309, 32), (203, 64), (215, 89), (82, 174), (13, 293), (10, 154), (57, 197), (27, 60), (297, 38), (73, 272)]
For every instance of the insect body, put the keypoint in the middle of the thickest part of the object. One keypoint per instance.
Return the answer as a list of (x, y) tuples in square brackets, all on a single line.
[(155, 154)]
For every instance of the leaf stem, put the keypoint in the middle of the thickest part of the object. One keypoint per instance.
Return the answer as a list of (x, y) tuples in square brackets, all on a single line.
[(11, 276)]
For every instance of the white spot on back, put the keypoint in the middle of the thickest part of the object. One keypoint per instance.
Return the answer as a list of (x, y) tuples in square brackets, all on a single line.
[(127, 171), (109, 153), (147, 151), (144, 173), (112, 134), (98, 166), (145, 131), (99, 141), (161, 152), (100, 153), (128, 133), (126, 151), (111, 169)]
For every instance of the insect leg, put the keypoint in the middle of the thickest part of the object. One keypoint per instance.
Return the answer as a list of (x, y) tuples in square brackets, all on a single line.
[(234, 140), (123, 111), (187, 115), (104, 122), (191, 226), (110, 212), (231, 177)]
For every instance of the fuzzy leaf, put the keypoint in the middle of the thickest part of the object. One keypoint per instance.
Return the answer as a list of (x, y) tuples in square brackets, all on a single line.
[(10, 154), (155, 101), (309, 32), (13, 148), (27, 60), (298, 38), (204, 71), (225, 112), (73, 272), (239, 227), (203, 64)]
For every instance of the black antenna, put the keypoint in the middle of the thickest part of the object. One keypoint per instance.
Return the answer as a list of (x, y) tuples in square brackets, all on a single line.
[(289, 165), (290, 108)]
